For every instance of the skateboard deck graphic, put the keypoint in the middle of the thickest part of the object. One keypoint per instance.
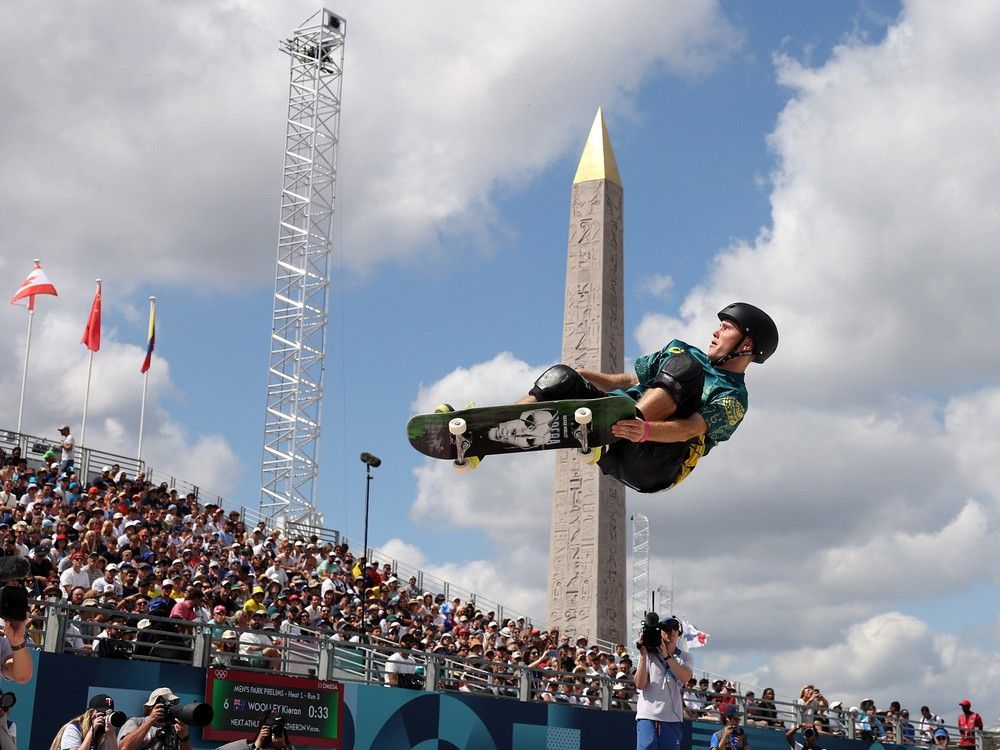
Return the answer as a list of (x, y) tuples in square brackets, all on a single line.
[(494, 430)]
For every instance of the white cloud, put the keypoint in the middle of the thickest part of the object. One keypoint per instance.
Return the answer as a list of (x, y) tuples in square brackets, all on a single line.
[(659, 285), (893, 656), (155, 133)]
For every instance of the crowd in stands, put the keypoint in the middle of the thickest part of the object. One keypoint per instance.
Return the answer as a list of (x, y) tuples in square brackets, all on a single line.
[(130, 551), (712, 701)]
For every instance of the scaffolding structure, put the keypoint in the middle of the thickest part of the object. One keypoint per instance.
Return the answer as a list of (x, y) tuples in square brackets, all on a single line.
[(292, 422), (640, 571)]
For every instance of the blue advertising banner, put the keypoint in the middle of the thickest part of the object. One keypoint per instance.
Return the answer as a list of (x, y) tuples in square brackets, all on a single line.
[(375, 717)]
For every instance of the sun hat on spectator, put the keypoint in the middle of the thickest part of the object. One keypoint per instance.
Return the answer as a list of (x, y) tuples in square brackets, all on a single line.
[(163, 692), (964, 702), (229, 635), (111, 566), (257, 590), (840, 704), (167, 582), (730, 710), (506, 632), (219, 608), (941, 732), (89, 602)]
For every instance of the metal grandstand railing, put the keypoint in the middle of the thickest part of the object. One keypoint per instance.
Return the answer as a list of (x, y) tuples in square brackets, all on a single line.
[(65, 628)]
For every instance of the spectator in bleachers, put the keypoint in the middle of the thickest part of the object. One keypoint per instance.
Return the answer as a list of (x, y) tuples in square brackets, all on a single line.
[(869, 727), (256, 646), (929, 721), (941, 738), (731, 736), (908, 732), (74, 576), (835, 719), (968, 722), (765, 713)]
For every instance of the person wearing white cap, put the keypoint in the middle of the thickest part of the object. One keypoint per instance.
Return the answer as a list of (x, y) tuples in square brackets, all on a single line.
[(109, 581), (144, 732), (68, 445)]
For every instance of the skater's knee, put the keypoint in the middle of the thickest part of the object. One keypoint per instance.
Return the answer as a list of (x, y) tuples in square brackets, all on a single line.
[(683, 377), (559, 381)]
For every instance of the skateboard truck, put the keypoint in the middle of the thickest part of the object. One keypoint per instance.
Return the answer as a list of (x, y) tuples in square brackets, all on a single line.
[(457, 428), (583, 416)]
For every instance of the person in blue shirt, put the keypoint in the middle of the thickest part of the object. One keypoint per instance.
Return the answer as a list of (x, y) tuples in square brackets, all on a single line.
[(731, 736), (687, 400)]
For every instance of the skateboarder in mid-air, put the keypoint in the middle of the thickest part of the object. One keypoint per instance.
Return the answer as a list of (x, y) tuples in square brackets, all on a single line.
[(687, 401)]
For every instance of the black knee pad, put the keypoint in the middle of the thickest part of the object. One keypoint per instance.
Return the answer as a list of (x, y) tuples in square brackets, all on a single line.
[(559, 382), (683, 377)]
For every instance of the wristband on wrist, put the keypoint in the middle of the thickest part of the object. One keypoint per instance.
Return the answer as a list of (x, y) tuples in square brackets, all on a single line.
[(646, 431), (18, 648)]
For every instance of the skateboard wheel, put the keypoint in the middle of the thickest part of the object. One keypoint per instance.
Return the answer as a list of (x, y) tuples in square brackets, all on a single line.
[(583, 415), (457, 426)]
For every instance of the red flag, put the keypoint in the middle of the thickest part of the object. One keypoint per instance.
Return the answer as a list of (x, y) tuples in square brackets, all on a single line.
[(36, 283), (92, 333)]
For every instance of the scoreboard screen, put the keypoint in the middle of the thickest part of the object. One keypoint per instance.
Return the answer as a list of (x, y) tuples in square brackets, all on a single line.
[(312, 709)]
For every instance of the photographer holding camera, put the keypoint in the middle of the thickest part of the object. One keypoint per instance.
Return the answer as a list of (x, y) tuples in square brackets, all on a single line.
[(94, 729), (270, 734), (660, 676), (731, 736), (154, 731), (809, 737), (15, 659)]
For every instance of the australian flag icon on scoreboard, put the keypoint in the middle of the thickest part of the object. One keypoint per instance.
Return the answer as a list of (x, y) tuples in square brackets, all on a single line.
[(240, 704)]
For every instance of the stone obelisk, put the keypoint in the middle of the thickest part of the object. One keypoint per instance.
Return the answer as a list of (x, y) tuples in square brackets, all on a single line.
[(587, 542)]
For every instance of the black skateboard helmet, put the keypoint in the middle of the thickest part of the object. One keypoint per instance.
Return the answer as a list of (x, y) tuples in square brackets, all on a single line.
[(755, 323)]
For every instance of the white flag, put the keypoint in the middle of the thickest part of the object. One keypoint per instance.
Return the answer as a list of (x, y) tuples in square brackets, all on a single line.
[(693, 638)]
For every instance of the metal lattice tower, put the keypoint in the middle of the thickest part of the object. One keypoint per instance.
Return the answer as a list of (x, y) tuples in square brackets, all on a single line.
[(290, 463), (640, 570)]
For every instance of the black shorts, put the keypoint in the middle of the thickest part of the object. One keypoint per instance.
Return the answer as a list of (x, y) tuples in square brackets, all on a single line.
[(645, 467)]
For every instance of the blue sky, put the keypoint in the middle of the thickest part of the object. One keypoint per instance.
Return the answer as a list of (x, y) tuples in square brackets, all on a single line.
[(829, 161)]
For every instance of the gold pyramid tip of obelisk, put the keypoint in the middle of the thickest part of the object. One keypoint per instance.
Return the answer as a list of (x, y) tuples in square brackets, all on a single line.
[(598, 159)]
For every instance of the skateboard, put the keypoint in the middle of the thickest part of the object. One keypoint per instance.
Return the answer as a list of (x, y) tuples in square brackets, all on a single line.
[(581, 424)]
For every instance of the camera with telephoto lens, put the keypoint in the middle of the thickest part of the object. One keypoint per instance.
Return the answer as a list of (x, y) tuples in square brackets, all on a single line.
[(192, 714), (649, 637), (808, 732), (116, 719), (112, 718), (7, 701)]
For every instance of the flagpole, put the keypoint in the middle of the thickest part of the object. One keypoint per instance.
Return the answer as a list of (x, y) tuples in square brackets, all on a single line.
[(86, 397), (145, 381), (27, 351)]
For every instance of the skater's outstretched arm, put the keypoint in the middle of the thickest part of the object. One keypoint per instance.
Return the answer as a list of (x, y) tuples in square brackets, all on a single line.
[(668, 431)]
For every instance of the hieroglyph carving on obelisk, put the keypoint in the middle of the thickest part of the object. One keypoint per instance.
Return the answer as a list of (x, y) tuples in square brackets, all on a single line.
[(587, 542)]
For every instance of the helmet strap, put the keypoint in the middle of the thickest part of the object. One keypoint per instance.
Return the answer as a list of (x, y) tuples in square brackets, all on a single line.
[(733, 354)]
